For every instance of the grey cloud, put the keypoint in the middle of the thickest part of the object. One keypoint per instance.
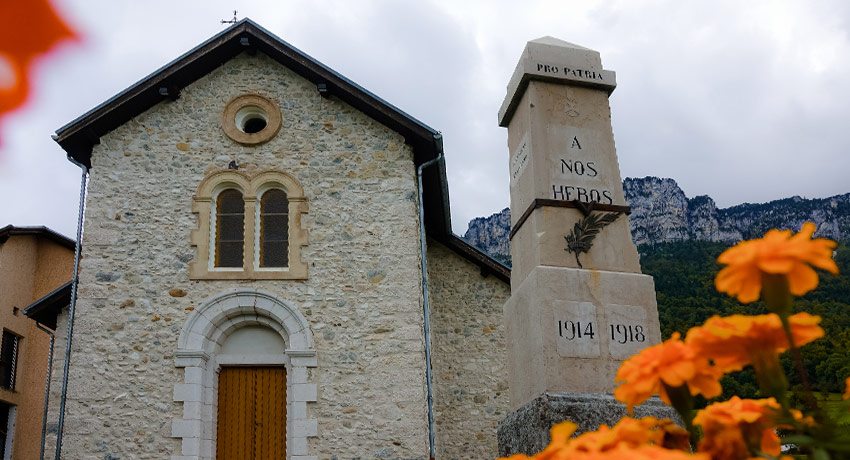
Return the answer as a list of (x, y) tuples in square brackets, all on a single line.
[(741, 101)]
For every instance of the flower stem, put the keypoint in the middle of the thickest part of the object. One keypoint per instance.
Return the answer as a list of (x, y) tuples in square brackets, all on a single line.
[(683, 402), (771, 377), (777, 296)]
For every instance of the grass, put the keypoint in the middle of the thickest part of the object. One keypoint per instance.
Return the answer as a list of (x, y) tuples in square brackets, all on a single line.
[(836, 409)]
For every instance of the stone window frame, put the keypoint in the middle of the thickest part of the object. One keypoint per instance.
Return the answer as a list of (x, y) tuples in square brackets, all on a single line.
[(252, 185), (206, 329)]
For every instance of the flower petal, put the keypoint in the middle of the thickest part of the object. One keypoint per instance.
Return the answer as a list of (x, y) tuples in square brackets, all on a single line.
[(802, 279), (778, 253)]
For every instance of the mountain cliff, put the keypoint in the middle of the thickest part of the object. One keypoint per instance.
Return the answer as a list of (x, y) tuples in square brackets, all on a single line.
[(662, 213)]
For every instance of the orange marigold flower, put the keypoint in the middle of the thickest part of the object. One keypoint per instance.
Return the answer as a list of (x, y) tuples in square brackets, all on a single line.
[(777, 253), (560, 437), (628, 431), (674, 436), (645, 452), (733, 342), (739, 428), (672, 363), (630, 438)]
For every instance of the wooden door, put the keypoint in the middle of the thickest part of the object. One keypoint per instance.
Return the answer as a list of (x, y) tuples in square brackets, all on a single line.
[(251, 413)]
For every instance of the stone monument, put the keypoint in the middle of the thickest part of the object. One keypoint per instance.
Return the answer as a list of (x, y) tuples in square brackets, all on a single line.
[(579, 304)]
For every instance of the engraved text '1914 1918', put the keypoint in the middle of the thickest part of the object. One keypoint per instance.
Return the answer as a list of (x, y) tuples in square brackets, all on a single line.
[(580, 331)]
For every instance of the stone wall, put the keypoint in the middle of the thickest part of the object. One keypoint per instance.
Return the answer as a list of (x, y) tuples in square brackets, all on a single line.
[(362, 299), (468, 357)]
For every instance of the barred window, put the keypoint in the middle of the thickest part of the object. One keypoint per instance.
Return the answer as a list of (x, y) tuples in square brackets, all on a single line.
[(8, 360), (274, 229), (7, 414), (229, 229)]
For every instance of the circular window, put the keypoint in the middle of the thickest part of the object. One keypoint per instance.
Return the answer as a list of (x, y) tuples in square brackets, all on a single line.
[(251, 119)]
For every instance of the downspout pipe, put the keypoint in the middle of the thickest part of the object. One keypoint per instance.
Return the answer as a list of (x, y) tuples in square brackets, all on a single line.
[(46, 387), (71, 309), (438, 140)]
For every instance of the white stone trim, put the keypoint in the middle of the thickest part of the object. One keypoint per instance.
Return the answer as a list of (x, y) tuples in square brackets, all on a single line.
[(207, 327)]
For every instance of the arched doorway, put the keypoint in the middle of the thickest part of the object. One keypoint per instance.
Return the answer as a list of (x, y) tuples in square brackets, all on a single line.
[(237, 338)]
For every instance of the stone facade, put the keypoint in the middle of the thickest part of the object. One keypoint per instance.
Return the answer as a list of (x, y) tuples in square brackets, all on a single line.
[(362, 298), (468, 359)]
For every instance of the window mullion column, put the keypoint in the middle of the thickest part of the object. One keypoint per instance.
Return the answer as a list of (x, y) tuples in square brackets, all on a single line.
[(250, 233)]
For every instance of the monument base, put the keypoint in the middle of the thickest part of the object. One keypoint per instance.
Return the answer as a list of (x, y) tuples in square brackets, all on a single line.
[(526, 430), (570, 329)]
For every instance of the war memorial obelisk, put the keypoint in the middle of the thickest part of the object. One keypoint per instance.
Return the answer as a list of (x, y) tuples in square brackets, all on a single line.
[(579, 304)]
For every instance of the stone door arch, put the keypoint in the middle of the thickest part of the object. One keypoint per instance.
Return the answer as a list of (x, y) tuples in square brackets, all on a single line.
[(198, 353)]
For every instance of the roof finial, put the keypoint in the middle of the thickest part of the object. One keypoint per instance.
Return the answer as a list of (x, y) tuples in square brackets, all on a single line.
[(232, 21)]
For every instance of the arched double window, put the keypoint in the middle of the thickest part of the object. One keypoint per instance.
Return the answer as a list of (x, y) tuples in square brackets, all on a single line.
[(249, 226)]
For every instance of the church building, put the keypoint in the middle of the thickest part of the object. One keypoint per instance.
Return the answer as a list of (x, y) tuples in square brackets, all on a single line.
[(268, 269)]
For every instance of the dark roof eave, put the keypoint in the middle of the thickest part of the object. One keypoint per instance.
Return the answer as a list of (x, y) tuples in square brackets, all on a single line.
[(40, 231), (46, 309), (487, 264)]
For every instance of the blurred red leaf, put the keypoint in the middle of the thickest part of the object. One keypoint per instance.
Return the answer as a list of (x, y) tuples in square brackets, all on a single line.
[(30, 28)]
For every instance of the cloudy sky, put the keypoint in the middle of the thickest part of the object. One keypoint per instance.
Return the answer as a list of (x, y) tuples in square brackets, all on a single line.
[(742, 101)]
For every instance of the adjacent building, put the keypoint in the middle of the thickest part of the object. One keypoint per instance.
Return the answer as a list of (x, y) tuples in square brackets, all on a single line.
[(36, 266)]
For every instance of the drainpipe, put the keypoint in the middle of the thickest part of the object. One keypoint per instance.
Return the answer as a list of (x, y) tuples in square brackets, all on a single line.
[(438, 139), (82, 209), (46, 387)]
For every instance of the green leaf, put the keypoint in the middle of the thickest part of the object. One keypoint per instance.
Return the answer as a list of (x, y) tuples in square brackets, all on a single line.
[(585, 231), (820, 454)]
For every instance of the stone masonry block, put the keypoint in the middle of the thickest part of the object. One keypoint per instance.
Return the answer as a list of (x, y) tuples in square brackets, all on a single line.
[(186, 429), (298, 410), (212, 311), (193, 375), (304, 361), (305, 428), (187, 392), (193, 340), (298, 375), (298, 446), (206, 449), (192, 410), (304, 392), (191, 446)]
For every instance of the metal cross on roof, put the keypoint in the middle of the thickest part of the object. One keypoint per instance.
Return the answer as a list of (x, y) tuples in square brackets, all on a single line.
[(232, 21)]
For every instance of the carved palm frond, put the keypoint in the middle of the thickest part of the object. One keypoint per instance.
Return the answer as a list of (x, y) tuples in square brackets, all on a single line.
[(584, 232)]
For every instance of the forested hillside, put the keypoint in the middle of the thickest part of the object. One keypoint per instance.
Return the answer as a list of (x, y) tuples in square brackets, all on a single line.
[(684, 281)]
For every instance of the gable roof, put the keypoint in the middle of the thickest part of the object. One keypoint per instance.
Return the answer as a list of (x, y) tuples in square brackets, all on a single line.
[(41, 232), (79, 136)]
